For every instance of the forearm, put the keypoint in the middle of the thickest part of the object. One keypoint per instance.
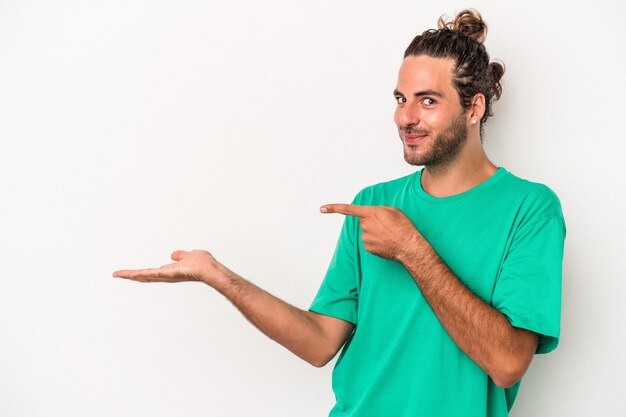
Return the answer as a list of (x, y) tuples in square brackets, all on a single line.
[(313, 337), (298, 330), (482, 332)]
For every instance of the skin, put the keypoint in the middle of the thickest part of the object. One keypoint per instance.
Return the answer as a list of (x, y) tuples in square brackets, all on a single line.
[(436, 132), (313, 337)]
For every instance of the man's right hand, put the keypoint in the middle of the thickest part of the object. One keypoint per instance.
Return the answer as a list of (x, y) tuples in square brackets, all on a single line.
[(314, 337), (196, 265)]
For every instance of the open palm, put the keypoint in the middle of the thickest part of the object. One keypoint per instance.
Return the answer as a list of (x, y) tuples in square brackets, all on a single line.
[(188, 266)]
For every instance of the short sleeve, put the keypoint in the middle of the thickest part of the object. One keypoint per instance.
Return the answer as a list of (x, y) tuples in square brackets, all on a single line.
[(528, 290), (339, 292)]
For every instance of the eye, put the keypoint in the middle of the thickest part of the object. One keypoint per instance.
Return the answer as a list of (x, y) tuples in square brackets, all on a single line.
[(429, 101), (400, 99)]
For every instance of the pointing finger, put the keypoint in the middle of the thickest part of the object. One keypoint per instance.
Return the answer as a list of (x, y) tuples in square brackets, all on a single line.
[(347, 209)]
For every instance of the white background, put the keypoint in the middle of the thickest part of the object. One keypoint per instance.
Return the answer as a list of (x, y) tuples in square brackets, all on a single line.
[(132, 128)]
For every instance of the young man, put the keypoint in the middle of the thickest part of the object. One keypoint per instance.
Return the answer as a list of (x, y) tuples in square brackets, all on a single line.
[(444, 283)]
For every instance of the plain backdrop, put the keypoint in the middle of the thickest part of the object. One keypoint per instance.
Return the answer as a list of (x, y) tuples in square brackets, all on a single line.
[(132, 128)]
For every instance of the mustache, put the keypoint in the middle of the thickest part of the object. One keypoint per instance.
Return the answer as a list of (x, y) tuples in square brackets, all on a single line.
[(411, 130)]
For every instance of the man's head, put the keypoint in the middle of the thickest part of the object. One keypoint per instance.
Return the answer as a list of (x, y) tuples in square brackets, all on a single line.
[(446, 87)]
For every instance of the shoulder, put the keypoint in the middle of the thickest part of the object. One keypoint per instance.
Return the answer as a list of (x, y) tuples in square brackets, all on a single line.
[(536, 205), (536, 198)]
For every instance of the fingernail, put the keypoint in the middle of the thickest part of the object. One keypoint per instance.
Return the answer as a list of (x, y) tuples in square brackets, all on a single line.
[(323, 209)]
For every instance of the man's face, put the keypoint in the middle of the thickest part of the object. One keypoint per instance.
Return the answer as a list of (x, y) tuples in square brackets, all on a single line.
[(431, 122)]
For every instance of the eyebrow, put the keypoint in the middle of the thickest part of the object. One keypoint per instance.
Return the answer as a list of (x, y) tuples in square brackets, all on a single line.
[(397, 93)]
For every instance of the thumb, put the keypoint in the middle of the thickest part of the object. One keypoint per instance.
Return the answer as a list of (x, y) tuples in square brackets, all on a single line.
[(178, 255)]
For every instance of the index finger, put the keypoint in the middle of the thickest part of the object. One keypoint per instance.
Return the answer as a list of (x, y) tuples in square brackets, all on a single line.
[(347, 209)]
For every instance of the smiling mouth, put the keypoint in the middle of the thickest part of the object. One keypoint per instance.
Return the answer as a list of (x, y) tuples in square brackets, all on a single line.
[(413, 139)]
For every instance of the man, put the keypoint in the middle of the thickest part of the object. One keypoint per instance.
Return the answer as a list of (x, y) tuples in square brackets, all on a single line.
[(444, 283)]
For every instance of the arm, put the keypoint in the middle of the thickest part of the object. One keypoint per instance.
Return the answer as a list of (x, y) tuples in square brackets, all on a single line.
[(313, 337), (482, 332)]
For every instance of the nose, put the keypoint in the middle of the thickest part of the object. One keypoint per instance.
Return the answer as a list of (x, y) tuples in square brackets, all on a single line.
[(407, 115)]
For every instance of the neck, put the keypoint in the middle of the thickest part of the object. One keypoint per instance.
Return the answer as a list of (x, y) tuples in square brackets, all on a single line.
[(468, 169)]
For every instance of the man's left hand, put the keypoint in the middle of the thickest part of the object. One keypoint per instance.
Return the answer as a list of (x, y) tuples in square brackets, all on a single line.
[(387, 231)]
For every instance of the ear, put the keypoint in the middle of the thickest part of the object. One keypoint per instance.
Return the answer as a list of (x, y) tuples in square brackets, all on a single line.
[(477, 108)]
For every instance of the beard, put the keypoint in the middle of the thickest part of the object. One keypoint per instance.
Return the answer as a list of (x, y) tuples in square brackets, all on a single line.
[(445, 146)]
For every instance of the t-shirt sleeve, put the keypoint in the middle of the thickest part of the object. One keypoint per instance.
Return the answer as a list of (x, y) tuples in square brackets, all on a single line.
[(338, 295), (528, 290)]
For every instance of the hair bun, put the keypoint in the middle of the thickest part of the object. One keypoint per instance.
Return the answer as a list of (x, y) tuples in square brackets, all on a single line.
[(495, 71), (467, 22)]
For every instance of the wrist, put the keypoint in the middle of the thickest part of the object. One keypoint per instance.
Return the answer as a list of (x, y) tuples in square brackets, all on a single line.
[(215, 274), (228, 283), (412, 248)]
